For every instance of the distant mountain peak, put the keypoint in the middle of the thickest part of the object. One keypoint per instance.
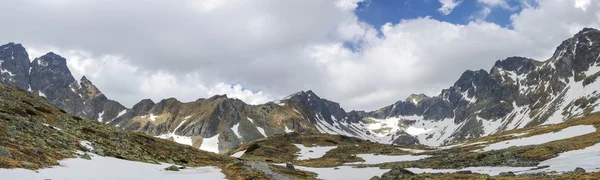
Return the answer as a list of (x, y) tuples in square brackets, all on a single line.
[(587, 30), (13, 46), (416, 98), (218, 96)]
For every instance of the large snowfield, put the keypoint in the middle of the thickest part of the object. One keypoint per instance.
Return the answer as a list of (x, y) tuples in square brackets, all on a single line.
[(103, 168), (345, 172), (543, 138)]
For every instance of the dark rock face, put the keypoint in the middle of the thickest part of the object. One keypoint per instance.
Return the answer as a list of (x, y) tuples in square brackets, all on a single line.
[(579, 170), (50, 77), (289, 166), (507, 174), (406, 139), (14, 66), (4, 153)]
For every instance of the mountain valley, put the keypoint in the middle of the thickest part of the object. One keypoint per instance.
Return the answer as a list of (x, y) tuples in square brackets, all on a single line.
[(522, 119)]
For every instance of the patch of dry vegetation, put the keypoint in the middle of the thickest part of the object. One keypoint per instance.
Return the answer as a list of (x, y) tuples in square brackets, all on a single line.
[(37, 135)]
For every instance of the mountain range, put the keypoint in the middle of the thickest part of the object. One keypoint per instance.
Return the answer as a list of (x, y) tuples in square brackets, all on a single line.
[(515, 93)]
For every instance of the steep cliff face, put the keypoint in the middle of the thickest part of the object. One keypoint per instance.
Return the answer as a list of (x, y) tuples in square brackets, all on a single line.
[(516, 92), (49, 76), (14, 65)]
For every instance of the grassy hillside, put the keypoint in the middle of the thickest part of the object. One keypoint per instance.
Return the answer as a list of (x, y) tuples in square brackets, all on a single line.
[(35, 134)]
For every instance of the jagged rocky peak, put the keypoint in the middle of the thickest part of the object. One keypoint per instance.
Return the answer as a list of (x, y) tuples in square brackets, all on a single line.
[(519, 65), (14, 65), (146, 104), (50, 70), (416, 98), (52, 60), (90, 89), (472, 79), (303, 95), (215, 97)]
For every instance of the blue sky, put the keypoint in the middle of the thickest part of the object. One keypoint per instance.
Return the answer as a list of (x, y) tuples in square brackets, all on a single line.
[(379, 12)]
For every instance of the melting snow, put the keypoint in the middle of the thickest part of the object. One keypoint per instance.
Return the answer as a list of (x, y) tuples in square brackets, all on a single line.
[(345, 172), (211, 144), (262, 131), (52, 126), (179, 139), (586, 158), (574, 91), (287, 130), (111, 168), (414, 150), (235, 130), (416, 131), (121, 113), (493, 171), (87, 145), (100, 116), (153, 117), (317, 151), (238, 154), (6, 71), (378, 159), (568, 132)]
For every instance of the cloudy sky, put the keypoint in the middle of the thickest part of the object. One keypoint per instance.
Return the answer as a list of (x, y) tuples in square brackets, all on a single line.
[(364, 54)]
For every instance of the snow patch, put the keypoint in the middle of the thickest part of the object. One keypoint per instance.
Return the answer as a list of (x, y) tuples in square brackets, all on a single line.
[(317, 151), (100, 116), (586, 158), (414, 150), (378, 159), (6, 71), (345, 172), (416, 131), (238, 154), (493, 171), (235, 130), (111, 168), (211, 144), (568, 132), (262, 131), (178, 139), (152, 117), (47, 125), (287, 130), (87, 145)]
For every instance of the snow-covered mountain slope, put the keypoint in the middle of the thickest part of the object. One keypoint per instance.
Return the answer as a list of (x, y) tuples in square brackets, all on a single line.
[(516, 93)]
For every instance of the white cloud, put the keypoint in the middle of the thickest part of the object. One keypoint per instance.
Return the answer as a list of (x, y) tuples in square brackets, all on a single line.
[(481, 15), (448, 6), (348, 5), (495, 3), (582, 4), (277, 47), (237, 91)]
